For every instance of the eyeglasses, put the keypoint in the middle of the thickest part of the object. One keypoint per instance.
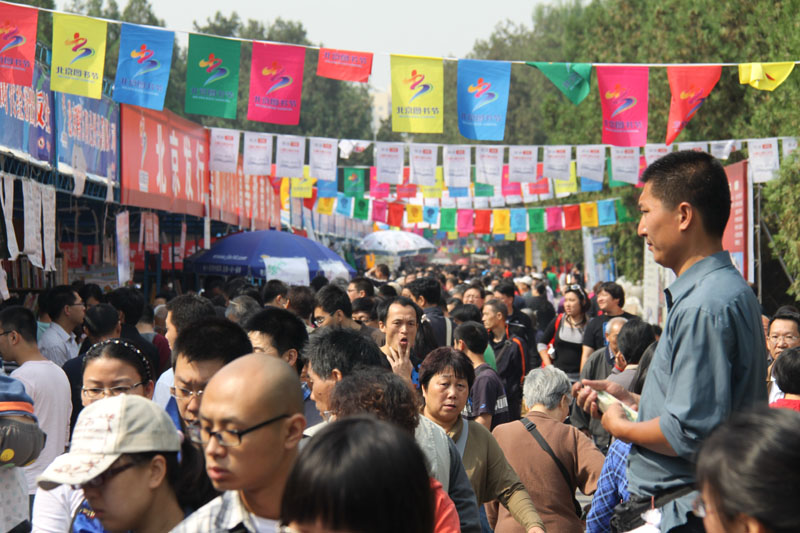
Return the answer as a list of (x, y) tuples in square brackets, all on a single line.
[(98, 481), (179, 393), (226, 437), (788, 339), (318, 320), (100, 392), (6, 332), (698, 507), (82, 304)]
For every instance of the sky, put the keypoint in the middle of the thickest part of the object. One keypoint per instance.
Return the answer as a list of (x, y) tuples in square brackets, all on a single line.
[(416, 27)]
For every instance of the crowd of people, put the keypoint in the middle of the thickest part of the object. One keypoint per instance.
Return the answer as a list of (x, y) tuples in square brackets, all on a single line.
[(469, 398)]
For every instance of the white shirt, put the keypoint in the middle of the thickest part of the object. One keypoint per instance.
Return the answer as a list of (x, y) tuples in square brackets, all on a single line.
[(13, 498), (53, 509), (775, 392), (264, 525), (48, 387), (161, 394), (58, 345)]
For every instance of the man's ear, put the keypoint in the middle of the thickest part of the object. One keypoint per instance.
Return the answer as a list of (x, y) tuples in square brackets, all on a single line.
[(290, 356), (336, 375), (381, 326), (686, 216)]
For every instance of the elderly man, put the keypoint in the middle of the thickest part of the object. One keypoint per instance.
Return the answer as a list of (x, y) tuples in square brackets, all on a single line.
[(253, 404), (783, 333), (610, 299)]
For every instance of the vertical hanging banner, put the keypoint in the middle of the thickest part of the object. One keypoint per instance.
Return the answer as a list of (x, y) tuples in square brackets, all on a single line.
[(522, 163), (32, 230), (395, 216), (519, 220), (556, 162), (123, 247), (145, 58), (564, 188), (572, 217), (361, 208), (380, 210), (257, 154), (18, 44), (536, 220), (290, 155), (789, 146), (483, 98), (27, 115), (322, 158), (690, 87), (79, 54), (326, 189), (764, 162), (457, 163), (606, 213), (344, 65), (555, 218), (465, 222), (489, 164), (625, 164), (653, 152), (276, 83), (212, 76), (430, 215), (737, 236), (501, 221), (417, 94), (223, 150), (723, 149), (389, 159), (413, 214), (694, 146), (422, 159), (591, 160), (49, 226), (623, 95), (354, 182), (589, 217), (572, 79), (483, 221), (376, 189), (86, 131)]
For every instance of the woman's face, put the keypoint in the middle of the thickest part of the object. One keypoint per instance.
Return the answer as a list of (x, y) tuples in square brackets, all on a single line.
[(572, 304), (714, 521), (109, 373), (445, 396)]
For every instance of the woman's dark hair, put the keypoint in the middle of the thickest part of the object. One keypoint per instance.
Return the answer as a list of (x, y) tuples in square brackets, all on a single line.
[(578, 291), (379, 392), (641, 371), (634, 338), (751, 466), (124, 351), (340, 480), (787, 371), (443, 358), (101, 320)]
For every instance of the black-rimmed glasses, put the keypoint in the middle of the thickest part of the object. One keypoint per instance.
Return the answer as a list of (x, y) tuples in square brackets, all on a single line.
[(227, 437), (100, 480)]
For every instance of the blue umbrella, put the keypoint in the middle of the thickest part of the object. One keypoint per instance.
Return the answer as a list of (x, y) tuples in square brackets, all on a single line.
[(242, 254)]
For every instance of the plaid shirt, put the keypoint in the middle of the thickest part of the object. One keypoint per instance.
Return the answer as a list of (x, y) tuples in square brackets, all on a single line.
[(612, 488), (224, 514)]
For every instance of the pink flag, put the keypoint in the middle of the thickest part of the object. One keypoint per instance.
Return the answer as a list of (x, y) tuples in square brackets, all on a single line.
[(554, 222), (623, 95), (276, 83), (510, 188), (465, 223), (376, 188), (379, 208)]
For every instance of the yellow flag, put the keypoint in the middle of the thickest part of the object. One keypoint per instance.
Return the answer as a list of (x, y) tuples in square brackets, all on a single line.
[(325, 206), (568, 186), (417, 94), (302, 187), (764, 76), (413, 214), (452, 235), (510, 237), (285, 184), (589, 215), (502, 221), (434, 191), (79, 54)]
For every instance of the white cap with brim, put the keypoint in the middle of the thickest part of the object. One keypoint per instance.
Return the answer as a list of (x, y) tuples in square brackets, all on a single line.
[(107, 429)]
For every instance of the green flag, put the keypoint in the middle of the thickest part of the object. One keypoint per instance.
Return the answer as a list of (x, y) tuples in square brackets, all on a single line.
[(481, 189), (447, 220), (536, 222), (427, 233), (623, 213), (212, 76), (354, 182), (361, 208), (612, 183), (572, 79)]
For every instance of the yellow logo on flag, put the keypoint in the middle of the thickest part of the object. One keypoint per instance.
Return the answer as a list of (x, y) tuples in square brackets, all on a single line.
[(764, 76), (502, 221), (79, 53), (325, 206), (589, 215), (413, 214), (417, 94)]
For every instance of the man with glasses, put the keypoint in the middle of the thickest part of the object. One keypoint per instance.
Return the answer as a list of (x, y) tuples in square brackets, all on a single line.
[(66, 310), (44, 382), (335, 309), (251, 424), (200, 350), (783, 333)]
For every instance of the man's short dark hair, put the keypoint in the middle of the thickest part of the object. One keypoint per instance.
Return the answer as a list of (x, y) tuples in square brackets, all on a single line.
[(366, 305), (784, 315), (285, 329), (210, 339), (541, 288), (20, 319), (478, 287), (506, 288), (188, 308), (363, 284), (91, 290), (383, 307), (466, 313), (634, 338), (128, 300), (693, 177), (382, 269), (101, 320), (387, 291), (474, 335), (58, 298), (499, 307), (301, 301), (344, 349), (332, 298), (148, 314), (427, 287), (786, 370), (272, 289), (614, 290), (443, 358)]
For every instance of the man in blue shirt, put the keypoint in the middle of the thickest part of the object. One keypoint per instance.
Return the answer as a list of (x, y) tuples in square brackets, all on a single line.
[(711, 359)]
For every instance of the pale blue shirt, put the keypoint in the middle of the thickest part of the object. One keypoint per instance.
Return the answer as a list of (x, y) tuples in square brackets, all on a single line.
[(58, 345)]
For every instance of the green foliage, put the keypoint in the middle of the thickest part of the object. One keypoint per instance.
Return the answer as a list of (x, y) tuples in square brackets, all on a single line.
[(781, 198)]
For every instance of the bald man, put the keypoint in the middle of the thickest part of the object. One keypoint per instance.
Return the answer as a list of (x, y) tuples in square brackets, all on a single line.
[(251, 421)]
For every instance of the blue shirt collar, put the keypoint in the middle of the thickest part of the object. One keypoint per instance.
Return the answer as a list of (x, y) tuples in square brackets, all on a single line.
[(683, 284)]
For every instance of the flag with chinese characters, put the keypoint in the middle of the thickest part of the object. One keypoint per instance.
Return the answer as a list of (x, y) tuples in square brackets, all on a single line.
[(18, 44), (145, 58), (623, 97), (572, 79), (536, 220), (589, 215), (276, 83), (417, 94), (79, 54), (483, 98), (344, 65), (212, 76), (690, 87)]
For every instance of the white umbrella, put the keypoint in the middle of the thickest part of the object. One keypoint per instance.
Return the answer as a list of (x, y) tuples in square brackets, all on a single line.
[(393, 242)]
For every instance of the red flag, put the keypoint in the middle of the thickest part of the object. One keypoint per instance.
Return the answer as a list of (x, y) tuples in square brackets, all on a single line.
[(344, 65), (395, 217), (572, 217), (17, 44), (406, 191), (483, 221), (690, 87), (311, 202)]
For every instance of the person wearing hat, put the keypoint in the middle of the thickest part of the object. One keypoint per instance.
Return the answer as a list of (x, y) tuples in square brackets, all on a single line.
[(124, 455)]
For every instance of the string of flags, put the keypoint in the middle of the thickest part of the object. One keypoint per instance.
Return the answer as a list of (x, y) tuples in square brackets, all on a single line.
[(276, 78)]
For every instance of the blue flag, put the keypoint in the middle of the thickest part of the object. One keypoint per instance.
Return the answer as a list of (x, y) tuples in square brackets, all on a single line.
[(430, 214), (588, 185), (483, 98), (519, 220), (458, 192), (145, 58), (326, 189), (606, 212), (344, 205)]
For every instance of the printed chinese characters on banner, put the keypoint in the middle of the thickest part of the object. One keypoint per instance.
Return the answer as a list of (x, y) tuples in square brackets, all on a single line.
[(276, 83)]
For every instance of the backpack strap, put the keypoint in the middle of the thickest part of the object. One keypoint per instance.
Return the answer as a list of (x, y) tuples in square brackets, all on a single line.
[(555, 331), (521, 356)]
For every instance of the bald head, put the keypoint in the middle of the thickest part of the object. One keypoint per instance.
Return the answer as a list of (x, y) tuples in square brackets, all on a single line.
[(612, 332)]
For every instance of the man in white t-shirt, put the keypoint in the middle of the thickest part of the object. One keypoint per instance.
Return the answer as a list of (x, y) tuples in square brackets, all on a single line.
[(66, 310), (44, 382)]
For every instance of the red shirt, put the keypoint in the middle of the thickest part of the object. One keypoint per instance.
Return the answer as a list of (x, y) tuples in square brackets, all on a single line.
[(784, 403), (445, 515)]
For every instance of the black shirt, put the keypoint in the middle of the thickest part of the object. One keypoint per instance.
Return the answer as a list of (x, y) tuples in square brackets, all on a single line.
[(487, 396), (595, 333)]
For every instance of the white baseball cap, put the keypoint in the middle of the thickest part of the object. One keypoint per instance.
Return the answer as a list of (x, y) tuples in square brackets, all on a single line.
[(107, 429), (524, 279)]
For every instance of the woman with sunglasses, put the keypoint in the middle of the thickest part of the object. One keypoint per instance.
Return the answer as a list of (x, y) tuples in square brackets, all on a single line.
[(562, 339)]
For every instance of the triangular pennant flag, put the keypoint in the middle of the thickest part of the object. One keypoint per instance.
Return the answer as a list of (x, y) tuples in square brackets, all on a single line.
[(572, 79), (536, 222), (361, 208), (483, 221), (690, 87), (395, 217), (606, 214), (448, 220), (764, 76), (413, 214), (572, 217), (589, 215)]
